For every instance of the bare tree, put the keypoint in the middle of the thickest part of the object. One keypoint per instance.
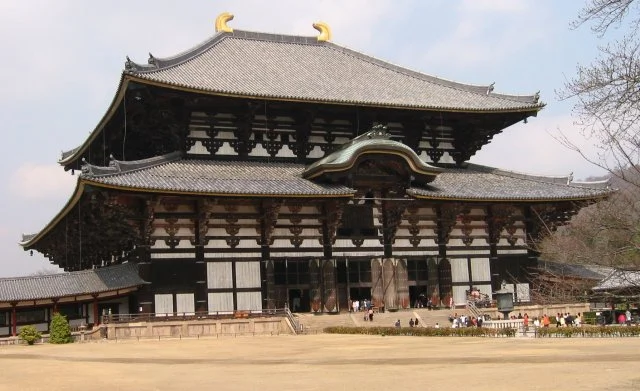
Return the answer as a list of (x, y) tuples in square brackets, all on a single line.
[(607, 107), (607, 92)]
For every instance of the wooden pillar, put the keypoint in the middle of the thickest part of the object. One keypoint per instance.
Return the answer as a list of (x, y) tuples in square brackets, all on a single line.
[(96, 315), (54, 310), (14, 320)]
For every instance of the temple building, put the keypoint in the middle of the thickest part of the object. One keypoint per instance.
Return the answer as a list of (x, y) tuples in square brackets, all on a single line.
[(258, 170)]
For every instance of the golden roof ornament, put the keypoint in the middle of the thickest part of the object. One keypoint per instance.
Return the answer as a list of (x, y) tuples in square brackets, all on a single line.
[(221, 22), (325, 31)]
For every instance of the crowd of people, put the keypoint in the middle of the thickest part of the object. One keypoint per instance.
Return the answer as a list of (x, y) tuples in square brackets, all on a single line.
[(465, 321)]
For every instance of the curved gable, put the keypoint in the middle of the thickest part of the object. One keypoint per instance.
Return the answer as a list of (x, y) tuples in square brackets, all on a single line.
[(374, 145)]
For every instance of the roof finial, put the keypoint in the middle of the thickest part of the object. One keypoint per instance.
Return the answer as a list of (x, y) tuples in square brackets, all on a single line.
[(325, 31), (221, 22), (490, 88)]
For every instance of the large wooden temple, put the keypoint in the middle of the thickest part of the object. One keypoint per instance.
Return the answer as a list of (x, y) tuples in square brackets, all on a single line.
[(258, 170)]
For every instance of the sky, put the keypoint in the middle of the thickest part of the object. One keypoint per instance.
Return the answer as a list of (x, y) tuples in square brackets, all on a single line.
[(61, 61)]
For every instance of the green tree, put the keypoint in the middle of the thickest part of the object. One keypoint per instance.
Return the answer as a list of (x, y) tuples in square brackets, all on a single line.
[(60, 332), (29, 334)]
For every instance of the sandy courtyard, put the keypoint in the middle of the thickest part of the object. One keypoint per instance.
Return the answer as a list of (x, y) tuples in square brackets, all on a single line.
[(326, 362)]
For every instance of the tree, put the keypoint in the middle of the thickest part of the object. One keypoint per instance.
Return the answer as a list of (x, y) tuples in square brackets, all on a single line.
[(29, 334), (60, 330), (607, 92), (604, 234), (607, 107)]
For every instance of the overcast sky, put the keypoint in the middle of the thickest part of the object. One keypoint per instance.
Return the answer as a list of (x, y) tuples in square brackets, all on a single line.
[(61, 62)]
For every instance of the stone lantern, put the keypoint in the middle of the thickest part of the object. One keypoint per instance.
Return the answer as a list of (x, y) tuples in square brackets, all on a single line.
[(504, 299)]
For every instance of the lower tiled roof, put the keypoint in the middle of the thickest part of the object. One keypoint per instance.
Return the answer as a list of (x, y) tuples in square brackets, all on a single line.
[(172, 174), (221, 177), (619, 279), (70, 284), (486, 183)]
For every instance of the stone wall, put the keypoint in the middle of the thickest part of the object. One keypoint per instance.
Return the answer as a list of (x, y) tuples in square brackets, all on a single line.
[(197, 328)]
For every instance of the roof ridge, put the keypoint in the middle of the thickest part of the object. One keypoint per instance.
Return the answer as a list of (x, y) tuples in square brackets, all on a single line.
[(560, 180), (123, 166), (161, 63)]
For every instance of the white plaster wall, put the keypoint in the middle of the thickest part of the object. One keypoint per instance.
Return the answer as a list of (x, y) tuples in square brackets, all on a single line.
[(173, 255)]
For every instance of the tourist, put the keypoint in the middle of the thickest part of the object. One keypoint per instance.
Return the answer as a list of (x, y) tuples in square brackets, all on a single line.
[(415, 323), (410, 322), (397, 324), (628, 316), (437, 325), (370, 314), (546, 321), (451, 303), (622, 319)]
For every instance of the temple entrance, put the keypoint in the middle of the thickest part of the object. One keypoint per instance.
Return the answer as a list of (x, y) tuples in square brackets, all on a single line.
[(299, 300), (418, 296), (360, 294)]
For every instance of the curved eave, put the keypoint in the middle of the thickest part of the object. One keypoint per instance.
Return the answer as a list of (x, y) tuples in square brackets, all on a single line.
[(73, 200), (414, 163), (128, 77), (113, 107), (215, 194), (82, 183), (507, 199), (531, 108)]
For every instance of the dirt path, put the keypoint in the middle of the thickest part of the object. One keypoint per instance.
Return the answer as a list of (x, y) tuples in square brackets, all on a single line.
[(326, 362)]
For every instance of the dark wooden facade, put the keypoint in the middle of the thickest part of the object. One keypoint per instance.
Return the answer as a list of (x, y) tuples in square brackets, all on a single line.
[(209, 248)]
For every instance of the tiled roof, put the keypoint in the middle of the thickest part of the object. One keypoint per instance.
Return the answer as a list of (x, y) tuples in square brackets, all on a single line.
[(619, 279), (376, 140), (70, 284), (214, 177), (485, 183), (170, 173), (298, 68), (590, 272)]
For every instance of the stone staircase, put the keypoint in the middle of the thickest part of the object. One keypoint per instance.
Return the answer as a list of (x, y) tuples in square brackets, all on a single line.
[(315, 323)]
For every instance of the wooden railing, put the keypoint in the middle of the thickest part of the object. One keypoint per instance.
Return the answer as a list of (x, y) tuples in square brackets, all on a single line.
[(297, 327)]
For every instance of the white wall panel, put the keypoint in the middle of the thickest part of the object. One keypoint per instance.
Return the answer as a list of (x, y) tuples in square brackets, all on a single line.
[(221, 302), (486, 289), (198, 149), (249, 301), (219, 275), (248, 274), (185, 304), (163, 304), (480, 269), (460, 295), (459, 270)]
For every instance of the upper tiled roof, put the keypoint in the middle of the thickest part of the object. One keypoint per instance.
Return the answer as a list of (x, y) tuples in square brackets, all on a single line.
[(169, 173), (70, 284), (486, 183), (273, 66)]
